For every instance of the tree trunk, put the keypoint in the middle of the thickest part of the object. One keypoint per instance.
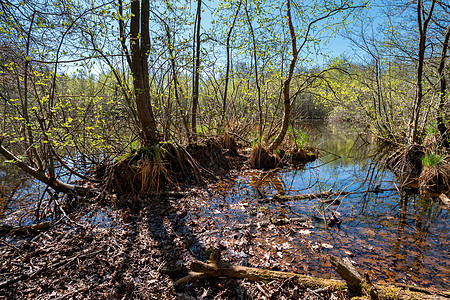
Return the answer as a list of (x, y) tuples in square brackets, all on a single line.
[(286, 86), (195, 87), (422, 45), (140, 47), (443, 92), (227, 74), (258, 88)]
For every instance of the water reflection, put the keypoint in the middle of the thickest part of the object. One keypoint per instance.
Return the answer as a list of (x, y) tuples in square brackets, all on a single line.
[(392, 235)]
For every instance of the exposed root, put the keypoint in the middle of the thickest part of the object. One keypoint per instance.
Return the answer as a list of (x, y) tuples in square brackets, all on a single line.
[(209, 154), (149, 169), (406, 163), (302, 155), (228, 142), (260, 158), (435, 178)]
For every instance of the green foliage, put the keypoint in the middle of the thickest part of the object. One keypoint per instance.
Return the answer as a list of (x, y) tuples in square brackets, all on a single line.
[(153, 153), (298, 136), (432, 160)]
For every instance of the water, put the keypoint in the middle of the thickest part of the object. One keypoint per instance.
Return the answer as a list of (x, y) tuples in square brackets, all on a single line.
[(394, 236)]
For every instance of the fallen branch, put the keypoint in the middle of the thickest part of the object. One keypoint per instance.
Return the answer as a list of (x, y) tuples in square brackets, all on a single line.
[(215, 267), (40, 175), (320, 195), (4, 229), (360, 285), (221, 268), (355, 283)]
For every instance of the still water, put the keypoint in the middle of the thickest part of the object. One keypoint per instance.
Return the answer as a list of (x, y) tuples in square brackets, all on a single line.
[(394, 236)]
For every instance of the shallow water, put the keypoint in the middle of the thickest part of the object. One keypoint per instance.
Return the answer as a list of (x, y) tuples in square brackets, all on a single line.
[(394, 236)]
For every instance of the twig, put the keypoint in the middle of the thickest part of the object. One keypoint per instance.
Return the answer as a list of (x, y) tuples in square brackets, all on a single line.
[(47, 268)]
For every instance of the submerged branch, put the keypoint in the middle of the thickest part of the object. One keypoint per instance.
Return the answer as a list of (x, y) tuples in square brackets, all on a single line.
[(326, 194)]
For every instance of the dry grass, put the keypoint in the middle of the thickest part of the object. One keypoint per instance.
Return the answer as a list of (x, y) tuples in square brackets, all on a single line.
[(436, 178)]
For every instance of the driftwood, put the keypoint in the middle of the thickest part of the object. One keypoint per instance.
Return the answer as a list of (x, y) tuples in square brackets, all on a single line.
[(356, 284), (320, 195), (361, 285), (444, 199), (24, 229)]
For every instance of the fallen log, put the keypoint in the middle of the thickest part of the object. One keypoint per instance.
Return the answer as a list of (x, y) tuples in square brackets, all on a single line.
[(356, 284), (224, 269), (361, 285)]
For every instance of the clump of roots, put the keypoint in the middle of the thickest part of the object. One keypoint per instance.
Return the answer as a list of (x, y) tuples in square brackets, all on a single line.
[(209, 154), (147, 170), (406, 163), (301, 155), (435, 177), (228, 143), (260, 158)]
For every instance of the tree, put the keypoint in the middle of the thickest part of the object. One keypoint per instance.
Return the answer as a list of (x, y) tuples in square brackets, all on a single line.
[(328, 10), (140, 48)]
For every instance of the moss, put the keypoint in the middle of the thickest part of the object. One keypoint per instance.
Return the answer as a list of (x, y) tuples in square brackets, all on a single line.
[(152, 153), (391, 293)]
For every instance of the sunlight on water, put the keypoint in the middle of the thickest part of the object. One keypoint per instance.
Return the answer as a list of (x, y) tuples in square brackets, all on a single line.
[(394, 236)]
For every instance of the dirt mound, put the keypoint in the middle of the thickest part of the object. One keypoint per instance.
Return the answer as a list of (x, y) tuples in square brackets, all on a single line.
[(260, 158), (302, 155), (209, 154)]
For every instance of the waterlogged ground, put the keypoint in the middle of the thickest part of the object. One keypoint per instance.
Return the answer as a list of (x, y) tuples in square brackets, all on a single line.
[(394, 236)]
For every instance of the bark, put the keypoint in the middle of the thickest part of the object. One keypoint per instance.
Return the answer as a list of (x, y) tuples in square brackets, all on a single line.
[(196, 83), (423, 26), (442, 127), (140, 47), (286, 85)]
